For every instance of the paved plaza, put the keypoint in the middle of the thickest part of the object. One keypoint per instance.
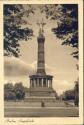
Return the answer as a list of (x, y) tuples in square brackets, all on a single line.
[(26, 109)]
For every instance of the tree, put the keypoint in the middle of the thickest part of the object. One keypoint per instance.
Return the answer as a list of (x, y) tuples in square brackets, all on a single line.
[(66, 16), (13, 92), (72, 94), (69, 95), (19, 91), (76, 91), (9, 95), (8, 87), (13, 30), (9, 92)]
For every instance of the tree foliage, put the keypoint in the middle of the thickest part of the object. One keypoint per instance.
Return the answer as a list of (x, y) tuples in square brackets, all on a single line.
[(72, 94), (13, 30), (76, 90), (19, 91), (66, 16), (14, 92)]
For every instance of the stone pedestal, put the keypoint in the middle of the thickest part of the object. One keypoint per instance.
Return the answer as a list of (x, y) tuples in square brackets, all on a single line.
[(41, 88)]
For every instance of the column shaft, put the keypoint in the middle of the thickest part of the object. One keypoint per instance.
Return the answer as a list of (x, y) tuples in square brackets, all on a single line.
[(38, 82), (42, 82), (50, 83), (30, 82), (46, 82)]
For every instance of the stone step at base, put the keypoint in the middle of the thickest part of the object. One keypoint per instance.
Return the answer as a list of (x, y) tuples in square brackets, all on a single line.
[(23, 104), (39, 94), (40, 99), (42, 94)]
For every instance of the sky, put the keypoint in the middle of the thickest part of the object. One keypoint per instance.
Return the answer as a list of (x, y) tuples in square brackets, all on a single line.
[(58, 61)]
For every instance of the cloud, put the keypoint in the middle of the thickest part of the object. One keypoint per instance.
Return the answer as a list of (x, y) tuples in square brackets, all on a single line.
[(16, 67), (34, 65), (18, 71), (24, 79), (62, 85)]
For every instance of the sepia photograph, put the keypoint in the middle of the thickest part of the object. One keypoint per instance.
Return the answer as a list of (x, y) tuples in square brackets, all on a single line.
[(41, 60)]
